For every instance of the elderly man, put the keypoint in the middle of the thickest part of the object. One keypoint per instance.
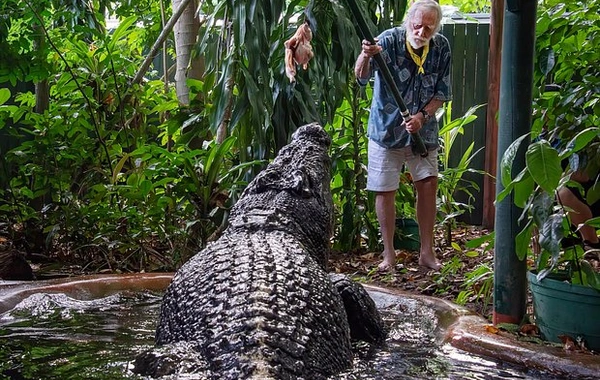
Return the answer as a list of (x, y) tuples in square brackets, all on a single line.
[(419, 59)]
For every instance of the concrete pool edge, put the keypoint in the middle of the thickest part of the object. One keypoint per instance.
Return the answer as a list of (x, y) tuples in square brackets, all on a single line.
[(467, 331), (12, 292), (456, 326)]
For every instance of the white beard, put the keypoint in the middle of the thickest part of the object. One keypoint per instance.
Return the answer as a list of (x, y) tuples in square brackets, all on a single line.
[(417, 42)]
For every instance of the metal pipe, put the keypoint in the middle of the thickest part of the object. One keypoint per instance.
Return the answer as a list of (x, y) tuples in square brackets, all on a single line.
[(516, 87)]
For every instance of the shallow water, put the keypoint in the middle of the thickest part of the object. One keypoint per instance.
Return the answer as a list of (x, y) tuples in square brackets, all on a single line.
[(54, 336)]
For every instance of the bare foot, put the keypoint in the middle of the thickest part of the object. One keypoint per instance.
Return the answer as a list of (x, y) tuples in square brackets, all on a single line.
[(429, 262), (388, 263)]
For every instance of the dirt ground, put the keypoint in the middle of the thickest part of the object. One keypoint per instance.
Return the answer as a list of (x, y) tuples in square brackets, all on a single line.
[(447, 283)]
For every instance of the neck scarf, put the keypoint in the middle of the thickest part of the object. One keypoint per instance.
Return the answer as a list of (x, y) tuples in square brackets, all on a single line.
[(420, 61)]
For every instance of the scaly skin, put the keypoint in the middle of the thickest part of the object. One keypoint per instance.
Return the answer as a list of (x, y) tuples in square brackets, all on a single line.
[(258, 302)]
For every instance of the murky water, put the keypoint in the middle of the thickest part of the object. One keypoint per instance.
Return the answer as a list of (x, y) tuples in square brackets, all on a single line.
[(54, 336)]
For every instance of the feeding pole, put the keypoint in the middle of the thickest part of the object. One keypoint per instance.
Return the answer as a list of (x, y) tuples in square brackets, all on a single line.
[(516, 86)]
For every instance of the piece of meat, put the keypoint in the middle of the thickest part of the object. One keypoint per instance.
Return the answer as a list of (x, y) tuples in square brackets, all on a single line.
[(298, 51)]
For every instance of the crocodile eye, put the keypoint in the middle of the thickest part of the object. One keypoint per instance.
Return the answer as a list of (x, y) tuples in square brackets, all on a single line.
[(301, 184)]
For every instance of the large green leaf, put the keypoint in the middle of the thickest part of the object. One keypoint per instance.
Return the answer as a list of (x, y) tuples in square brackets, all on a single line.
[(551, 233), (508, 158), (522, 241), (547, 61), (4, 95), (541, 208), (580, 141), (214, 161), (121, 31), (543, 163), (594, 222), (522, 191)]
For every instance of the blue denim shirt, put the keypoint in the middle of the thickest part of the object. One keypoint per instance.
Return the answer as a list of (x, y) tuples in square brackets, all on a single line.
[(385, 121)]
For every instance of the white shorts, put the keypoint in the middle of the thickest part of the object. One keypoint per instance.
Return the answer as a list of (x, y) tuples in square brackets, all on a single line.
[(385, 166)]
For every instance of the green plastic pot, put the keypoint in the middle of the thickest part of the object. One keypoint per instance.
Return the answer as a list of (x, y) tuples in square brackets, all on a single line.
[(407, 234), (561, 308)]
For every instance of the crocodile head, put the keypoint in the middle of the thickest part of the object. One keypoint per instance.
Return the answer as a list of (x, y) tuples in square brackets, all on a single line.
[(293, 193)]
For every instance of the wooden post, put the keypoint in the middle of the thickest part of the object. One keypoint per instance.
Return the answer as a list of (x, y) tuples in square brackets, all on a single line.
[(491, 129)]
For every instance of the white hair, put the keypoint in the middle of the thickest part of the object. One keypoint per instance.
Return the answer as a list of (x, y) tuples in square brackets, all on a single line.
[(424, 6)]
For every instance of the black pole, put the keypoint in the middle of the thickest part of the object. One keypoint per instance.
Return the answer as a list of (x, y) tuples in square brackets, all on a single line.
[(419, 146), (515, 105)]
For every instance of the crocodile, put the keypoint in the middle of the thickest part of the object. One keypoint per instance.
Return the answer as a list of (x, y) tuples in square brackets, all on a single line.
[(258, 303)]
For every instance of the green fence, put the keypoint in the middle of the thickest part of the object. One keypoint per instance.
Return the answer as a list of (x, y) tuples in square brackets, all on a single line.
[(469, 43)]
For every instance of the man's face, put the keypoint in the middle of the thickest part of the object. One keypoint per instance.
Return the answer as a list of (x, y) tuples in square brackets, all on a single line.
[(421, 28)]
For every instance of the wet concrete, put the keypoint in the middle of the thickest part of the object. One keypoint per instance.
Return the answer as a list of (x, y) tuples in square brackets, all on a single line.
[(457, 326), (467, 331), (82, 287)]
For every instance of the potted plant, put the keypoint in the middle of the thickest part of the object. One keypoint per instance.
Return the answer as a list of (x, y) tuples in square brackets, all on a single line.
[(565, 287), (566, 139)]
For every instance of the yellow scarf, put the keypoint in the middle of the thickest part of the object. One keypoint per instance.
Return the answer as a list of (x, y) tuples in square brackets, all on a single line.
[(420, 61)]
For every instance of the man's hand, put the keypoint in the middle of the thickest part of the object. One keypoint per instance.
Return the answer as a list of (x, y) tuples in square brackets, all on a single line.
[(369, 49), (362, 67), (415, 123)]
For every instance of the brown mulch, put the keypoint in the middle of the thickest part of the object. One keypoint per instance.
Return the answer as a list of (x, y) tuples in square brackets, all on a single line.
[(447, 283)]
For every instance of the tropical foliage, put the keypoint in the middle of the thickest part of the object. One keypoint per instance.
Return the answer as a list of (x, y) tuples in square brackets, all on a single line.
[(567, 76), (451, 178), (565, 133), (104, 174), (120, 175)]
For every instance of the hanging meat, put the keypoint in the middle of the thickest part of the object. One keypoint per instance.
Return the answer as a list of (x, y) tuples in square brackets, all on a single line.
[(298, 51)]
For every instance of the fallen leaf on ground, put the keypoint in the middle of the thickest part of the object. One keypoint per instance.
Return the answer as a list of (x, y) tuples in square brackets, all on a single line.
[(529, 329), (568, 342)]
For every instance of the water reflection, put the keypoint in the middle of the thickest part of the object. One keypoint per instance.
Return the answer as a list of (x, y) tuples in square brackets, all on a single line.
[(412, 352), (54, 336)]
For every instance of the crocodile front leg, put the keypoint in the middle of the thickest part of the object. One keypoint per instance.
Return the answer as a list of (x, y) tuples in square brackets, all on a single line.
[(364, 318)]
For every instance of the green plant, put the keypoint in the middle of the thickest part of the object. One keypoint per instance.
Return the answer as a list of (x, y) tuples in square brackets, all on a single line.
[(101, 177), (534, 189), (354, 206), (566, 76), (478, 285), (445, 279), (245, 74), (406, 197), (450, 178), (565, 134)]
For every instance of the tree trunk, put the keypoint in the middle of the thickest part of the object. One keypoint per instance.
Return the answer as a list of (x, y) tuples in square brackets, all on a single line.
[(42, 89), (161, 38), (186, 34)]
